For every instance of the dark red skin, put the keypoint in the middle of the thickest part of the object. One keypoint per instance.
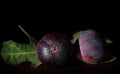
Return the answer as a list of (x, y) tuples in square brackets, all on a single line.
[(91, 47), (54, 49)]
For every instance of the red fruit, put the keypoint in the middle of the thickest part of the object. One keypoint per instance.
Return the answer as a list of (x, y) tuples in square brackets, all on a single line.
[(91, 47)]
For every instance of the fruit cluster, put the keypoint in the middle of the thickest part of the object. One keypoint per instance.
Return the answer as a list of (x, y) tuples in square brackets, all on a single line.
[(56, 49)]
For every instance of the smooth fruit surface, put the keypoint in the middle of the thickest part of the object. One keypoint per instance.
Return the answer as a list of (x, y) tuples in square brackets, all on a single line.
[(54, 49), (91, 47)]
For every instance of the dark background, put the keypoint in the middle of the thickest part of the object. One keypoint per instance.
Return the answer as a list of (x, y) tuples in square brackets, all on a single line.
[(38, 24)]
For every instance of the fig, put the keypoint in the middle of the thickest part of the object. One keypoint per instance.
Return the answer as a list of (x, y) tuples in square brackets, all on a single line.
[(92, 47), (54, 49)]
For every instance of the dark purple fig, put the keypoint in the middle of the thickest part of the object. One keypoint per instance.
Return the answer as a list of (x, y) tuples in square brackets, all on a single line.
[(91, 47), (54, 49)]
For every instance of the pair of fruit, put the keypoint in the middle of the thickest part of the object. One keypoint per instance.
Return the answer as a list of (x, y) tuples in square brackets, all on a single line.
[(56, 49)]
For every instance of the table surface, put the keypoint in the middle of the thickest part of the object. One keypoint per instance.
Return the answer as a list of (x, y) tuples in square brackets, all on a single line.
[(26, 68)]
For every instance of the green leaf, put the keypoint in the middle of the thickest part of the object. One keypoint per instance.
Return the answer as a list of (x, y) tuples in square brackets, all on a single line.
[(75, 36), (15, 53), (108, 41)]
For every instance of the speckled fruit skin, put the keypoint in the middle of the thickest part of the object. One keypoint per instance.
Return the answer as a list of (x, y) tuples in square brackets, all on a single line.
[(91, 47), (54, 49)]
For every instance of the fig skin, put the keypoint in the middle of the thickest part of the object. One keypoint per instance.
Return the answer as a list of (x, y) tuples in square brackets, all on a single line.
[(54, 49), (91, 47)]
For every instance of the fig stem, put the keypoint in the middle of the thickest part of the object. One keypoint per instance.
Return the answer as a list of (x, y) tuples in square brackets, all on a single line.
[(75, 36), (31, 39)]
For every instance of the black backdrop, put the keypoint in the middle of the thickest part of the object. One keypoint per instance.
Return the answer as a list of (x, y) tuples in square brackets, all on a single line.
[(38, 25)]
